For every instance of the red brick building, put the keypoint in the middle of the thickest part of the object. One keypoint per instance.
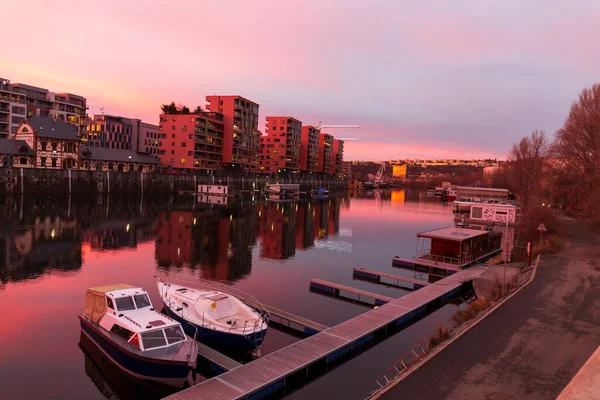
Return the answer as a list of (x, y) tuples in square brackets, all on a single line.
[(326, 154), (280, 146), (241, 140), (191, 141), (309, 149)]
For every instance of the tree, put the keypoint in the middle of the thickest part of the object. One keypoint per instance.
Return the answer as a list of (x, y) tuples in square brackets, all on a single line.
[(577, 148), (185, 110), (198, 110), (527, 161), (169, 108)]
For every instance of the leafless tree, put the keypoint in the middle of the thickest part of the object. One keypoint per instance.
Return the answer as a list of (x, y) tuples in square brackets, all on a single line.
[(527, 160), (577, 149)]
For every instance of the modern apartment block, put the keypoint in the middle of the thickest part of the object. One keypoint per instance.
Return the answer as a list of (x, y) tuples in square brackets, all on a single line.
[(191, 141), (121, 133), (280, 146), (68, 107), (309, 149), (241, 141), (338, 157), (326, 153), (12, 109)]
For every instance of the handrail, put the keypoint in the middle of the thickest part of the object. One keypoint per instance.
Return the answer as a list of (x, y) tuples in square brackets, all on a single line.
[(403, 364)]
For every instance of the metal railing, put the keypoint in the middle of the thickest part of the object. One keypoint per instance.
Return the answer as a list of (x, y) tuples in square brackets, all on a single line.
[(409, 359), (426, 255)]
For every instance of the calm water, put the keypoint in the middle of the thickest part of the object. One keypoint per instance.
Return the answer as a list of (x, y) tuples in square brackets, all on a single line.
[(51, 250)]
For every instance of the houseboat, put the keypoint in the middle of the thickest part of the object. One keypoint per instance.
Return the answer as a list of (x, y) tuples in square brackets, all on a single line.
[(283, 189), (467, 193), (449, 194), (448, 250), (221, 319), (490, 212), (121, 322)]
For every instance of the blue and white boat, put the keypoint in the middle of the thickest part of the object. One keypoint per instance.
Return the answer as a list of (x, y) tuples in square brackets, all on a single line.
[(221, 319), (120, 320), (321, 191)]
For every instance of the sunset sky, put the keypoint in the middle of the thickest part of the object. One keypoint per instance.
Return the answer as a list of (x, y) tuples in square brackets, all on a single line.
[(424, 79)]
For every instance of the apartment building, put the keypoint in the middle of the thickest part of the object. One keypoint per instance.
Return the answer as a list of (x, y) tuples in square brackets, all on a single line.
[(12, 109), (191, 141), (309, 149), (122, 133), (241, 140), (280, 146), (326, 153), (338, 157)]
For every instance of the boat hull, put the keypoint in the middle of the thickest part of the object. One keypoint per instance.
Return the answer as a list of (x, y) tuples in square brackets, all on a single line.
[(171, 373), (216, 338)]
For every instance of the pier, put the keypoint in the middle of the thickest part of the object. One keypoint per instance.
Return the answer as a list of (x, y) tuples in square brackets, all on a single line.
[(338, 291), (291, 322), (373, 276), (297, 363)]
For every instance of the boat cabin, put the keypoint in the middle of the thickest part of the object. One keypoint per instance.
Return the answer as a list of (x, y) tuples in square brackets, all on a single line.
[(456, 248), (283, 188), (127, 313)]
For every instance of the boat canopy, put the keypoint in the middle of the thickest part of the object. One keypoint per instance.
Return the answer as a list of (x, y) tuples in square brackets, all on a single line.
[(95, 301)]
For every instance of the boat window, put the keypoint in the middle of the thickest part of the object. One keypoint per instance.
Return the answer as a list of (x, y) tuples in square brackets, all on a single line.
[(120, 331), (141, 300), (174, 334), (153, 339), (477, 212), (125, 303), (110, 303)]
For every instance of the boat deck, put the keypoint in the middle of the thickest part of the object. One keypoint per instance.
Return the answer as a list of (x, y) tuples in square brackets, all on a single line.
[(270, 373)]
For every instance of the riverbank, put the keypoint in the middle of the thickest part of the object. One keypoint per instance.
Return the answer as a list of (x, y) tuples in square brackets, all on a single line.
[(531, 346), (46, 181)]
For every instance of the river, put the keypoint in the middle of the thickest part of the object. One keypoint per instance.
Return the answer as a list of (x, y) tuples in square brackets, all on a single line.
[(53, 249)]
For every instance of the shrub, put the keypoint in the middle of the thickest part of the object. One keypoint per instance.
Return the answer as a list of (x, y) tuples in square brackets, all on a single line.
[(470, 312), (440, 335)]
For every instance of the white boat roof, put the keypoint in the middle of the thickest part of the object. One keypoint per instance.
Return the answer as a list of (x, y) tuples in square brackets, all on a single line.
[(483, 189), (454, 234), (144, 320)]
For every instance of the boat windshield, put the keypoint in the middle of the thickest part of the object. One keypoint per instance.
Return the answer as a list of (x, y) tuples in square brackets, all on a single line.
[(174, 334), (153, 339), (125, 303), (141, 300)]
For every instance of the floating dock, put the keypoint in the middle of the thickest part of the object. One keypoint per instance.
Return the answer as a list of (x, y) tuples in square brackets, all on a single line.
[(297, 363), (348, 293), (291, 322), (219, 363), (370, 275)]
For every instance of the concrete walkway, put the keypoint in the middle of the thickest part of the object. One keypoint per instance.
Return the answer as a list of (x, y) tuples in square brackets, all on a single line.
[(530, 347)]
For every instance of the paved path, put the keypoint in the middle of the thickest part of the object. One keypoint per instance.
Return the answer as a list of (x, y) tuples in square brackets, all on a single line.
[(532, 345)]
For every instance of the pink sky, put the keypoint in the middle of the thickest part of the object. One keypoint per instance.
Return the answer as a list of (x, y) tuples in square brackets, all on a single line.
[(423, 79)]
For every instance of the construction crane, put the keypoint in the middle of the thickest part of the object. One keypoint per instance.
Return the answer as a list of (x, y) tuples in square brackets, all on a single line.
[(322, 126)]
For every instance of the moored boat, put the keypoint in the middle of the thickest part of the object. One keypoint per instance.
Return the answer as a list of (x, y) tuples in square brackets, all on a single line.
[(449, 194), (121, 322), (221, 319)]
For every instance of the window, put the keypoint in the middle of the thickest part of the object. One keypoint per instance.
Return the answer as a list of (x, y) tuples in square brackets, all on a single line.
[(109, 302), (477, 212), (43, 159), (172, 152), (172, 144), (121, 332), (69, 147), (183, 160), (501, 213), (44, 146), (184, 127), (141, 300), (191, 136), (54, 146), (54, 162), (153, 339), (173, 128), (190, 153), (173, 137), (125, 303), (183, 144), (174, 334)]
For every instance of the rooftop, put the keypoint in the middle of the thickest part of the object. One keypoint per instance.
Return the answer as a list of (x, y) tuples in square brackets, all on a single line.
[(15, 147), (53, 128), (482, 188), (454, 234)]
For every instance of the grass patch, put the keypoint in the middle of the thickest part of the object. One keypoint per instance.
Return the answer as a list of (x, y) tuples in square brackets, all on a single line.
[(471, 311), (440, 335)]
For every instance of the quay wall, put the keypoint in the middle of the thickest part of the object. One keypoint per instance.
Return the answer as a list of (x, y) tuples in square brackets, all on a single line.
[(45, 181)]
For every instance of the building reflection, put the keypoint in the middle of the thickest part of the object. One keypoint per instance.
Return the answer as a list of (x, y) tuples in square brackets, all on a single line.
[(216, 240), (46, 244)]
